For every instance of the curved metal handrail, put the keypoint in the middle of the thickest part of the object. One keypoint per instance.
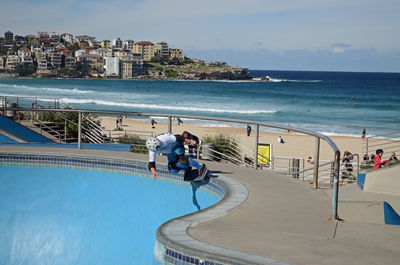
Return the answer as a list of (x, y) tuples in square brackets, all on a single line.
[(318, 136)]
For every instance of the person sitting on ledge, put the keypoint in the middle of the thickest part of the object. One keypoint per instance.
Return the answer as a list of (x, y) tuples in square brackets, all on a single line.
[(378, 157), (393, 157)]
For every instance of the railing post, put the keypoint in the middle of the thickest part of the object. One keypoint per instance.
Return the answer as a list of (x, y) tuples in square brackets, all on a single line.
[(256, 136), (79, 130), (316, 163), (366, 151), (65, 131), (335, 192), (169, 124)]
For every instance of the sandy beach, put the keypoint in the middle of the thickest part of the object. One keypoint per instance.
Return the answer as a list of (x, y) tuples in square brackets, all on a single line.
[(296, 145)]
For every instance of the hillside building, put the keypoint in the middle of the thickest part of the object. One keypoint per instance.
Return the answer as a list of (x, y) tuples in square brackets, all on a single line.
[(145, 48)]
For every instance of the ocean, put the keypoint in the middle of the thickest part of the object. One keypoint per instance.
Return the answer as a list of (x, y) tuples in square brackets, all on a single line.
[(333, 103)]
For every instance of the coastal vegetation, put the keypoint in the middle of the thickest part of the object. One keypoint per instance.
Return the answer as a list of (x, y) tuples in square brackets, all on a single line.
[(137, 144), (226, 147)]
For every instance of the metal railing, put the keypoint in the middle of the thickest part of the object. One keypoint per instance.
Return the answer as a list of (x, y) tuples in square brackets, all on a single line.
[(389, 142), (91, 131), (257, 125), (47, 128)]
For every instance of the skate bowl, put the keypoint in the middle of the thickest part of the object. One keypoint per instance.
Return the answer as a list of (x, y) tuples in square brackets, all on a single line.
[(58, 209)]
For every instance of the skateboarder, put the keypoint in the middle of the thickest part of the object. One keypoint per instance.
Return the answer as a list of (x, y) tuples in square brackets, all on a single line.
[(173, 146)]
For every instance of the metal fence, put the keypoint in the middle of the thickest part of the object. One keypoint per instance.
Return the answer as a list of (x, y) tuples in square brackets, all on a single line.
[(389, 142)]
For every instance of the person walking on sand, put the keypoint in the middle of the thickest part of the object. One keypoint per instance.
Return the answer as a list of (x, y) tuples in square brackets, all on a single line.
[(179, 121), (152, 123), (248, 130), (364, 134)]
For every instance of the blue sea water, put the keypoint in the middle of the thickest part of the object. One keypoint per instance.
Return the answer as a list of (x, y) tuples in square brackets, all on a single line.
[(67, 216), (334, 103)]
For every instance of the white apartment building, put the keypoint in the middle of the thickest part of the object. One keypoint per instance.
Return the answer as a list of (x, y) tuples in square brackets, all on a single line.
[(42, 64), (36, 48), (67, 37), (128, 45), (112, 66), (79, 53), (102, 52), (56, 59), (117, 43), (24, 52), (162, 49)]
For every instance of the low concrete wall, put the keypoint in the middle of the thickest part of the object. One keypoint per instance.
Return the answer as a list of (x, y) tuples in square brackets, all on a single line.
[(385, 181)]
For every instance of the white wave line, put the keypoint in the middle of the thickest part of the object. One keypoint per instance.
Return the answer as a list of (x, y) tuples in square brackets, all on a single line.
[(163, 107)]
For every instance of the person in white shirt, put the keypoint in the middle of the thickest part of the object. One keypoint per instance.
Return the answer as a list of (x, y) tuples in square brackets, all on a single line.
[(280, 140), (173, 146)]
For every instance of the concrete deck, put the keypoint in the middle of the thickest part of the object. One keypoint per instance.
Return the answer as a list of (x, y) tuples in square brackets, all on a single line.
[(283, 219)]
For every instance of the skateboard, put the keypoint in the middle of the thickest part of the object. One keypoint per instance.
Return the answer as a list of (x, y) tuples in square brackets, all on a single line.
[(196, 174)]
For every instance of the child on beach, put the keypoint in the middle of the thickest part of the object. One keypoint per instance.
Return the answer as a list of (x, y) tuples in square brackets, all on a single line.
[(378, 157)]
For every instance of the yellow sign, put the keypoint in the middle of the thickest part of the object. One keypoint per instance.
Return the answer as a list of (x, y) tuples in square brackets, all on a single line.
[(264, 154)]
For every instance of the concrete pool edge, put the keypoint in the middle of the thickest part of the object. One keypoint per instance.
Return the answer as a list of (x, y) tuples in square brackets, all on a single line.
[(174, 244)]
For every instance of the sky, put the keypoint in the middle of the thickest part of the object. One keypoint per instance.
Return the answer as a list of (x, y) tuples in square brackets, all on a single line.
[(321, 35)]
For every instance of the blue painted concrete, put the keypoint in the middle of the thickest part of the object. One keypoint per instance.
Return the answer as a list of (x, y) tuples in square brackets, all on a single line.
[(391, 217), (361, 180), (105, 147), (21, 131), (63, 216), (6, 139)]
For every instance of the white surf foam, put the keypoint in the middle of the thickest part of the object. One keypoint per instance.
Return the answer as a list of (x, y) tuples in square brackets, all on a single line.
[(48, 89), (161, 107)]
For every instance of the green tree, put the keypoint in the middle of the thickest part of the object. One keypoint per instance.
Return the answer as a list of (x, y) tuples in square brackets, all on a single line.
[(3, 51), (74, 47), (25, 70), (169, 73)]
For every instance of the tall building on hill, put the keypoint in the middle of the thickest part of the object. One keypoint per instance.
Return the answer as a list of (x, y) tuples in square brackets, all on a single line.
[(117, 43), (112, 66), (106, 44), (145, 48), (9, 36), (128, 45), (66, 37), (162, 49), (130, 65)]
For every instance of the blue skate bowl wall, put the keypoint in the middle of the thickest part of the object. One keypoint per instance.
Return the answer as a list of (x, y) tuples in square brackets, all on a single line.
[(73, 209), (21, 132)]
